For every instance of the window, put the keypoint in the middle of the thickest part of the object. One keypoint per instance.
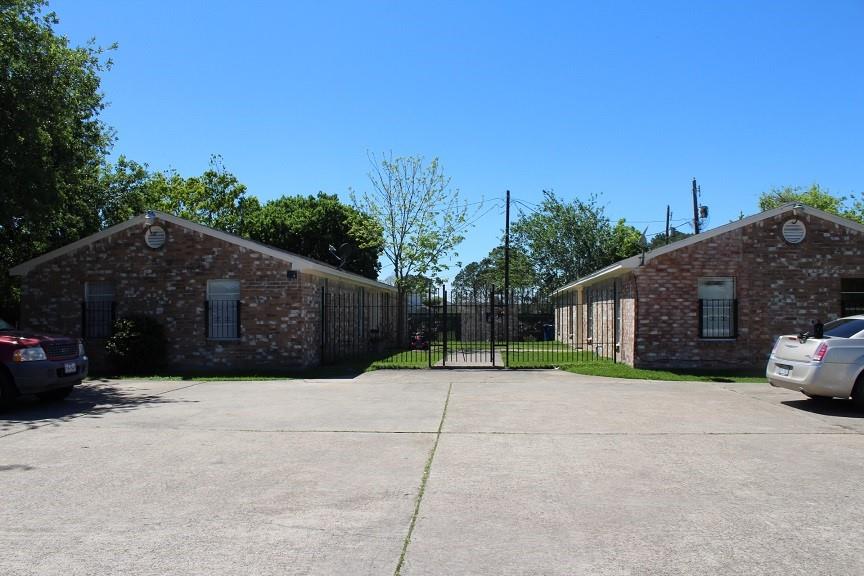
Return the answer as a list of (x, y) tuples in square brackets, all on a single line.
[(718, 308), (223, 309), (844, 328), (97, 310), (589, 314), (851, 296)]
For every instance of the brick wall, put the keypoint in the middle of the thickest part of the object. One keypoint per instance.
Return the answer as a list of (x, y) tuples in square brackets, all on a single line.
[(280, 317), (599, 334), (781, 288)]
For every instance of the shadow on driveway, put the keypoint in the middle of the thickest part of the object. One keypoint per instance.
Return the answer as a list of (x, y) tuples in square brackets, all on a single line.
[(87, 401), (835, 407)]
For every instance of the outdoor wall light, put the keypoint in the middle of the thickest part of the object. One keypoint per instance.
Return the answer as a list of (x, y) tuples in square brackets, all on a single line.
[(795, 209), (149, 218)]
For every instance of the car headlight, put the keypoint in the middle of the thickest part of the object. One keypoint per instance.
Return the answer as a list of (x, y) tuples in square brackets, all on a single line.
[(81, 351), (29, 354)]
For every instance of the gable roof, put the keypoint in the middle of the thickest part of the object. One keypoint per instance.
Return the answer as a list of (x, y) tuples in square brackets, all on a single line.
[(623, 266), (298, 263)]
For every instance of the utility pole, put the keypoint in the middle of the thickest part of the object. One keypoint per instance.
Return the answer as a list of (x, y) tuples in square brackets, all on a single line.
[(507, 245), (668, 217), (506, 285), (695, 207)]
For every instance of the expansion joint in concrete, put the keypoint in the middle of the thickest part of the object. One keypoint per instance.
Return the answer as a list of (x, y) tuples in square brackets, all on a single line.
[(426, 470)]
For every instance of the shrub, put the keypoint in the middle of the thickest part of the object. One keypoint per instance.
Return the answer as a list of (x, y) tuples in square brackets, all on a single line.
[(138, 345)]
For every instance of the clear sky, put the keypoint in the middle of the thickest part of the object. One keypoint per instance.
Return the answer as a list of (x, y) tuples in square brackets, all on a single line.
[(628, 100)]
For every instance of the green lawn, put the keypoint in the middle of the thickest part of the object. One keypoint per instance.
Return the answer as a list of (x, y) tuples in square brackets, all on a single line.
[(605, 367), (407, 359), (576, 361)]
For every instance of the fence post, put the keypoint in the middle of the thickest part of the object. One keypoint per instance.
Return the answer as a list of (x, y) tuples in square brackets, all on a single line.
[(430, 323), (444, 323)]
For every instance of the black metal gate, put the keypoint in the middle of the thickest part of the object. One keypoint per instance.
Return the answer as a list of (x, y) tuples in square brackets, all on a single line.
[(489, 328)]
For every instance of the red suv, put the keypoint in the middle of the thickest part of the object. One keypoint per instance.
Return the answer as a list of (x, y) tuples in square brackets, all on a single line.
[(48, 366)]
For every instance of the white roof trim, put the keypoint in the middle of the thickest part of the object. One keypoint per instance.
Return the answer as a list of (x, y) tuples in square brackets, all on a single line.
[(298, 263), (633, 262), (611, 271)]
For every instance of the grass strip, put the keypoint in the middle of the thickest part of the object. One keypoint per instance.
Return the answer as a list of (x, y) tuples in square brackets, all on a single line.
[(609, 369)]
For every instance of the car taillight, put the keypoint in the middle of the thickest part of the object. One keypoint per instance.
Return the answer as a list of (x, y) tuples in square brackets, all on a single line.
[(820, 352)]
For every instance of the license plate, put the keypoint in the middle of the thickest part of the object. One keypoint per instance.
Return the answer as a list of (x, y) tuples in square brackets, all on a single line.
[(782, 371), (70, 368)]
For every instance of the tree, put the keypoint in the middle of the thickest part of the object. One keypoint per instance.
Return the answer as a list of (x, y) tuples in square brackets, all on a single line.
[(421, 216), (477, 277), (625, 241), (51, 138), (814, 196), (215, 199), (126, 191), (308, 225), (659, 240), (568, 240)]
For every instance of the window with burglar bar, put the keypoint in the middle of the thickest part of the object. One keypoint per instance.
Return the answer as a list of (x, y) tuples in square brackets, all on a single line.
[(718, 308), (851, 296), (223, 309), (97, 310)]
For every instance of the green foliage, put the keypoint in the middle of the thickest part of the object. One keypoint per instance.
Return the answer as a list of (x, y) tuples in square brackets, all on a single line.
[(566, 241), (624, 242), (814, 196), (126, 191), (214, 199), (422, 218), (659, 240), (138, 345), (308, 225), (51, 138), (477, 277)]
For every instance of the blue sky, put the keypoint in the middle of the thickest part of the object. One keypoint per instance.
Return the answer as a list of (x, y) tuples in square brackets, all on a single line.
[(628, 100)]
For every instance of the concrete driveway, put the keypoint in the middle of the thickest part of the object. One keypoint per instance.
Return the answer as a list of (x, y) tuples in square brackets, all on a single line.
[(432, 472)]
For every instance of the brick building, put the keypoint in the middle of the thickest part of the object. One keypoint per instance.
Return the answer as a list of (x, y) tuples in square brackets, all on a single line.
[(718, 299), (226, 303)]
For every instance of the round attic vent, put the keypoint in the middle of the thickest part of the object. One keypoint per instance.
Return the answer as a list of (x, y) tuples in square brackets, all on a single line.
[(794, 231), (155, 237)]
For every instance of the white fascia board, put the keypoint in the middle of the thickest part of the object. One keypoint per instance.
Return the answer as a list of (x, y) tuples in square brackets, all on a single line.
[(298, 263), (634, 262), (802, 209), (613, 271), (25, 267)]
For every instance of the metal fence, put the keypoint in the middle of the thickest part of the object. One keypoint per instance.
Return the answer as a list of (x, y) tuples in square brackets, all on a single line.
[(477, 328), (357, 324)]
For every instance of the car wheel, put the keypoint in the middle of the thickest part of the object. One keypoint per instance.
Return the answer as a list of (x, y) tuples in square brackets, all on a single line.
[(8, 392), (55, 395), (858, 391)]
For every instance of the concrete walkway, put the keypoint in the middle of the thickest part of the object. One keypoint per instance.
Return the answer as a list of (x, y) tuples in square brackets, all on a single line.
[(432, 472)]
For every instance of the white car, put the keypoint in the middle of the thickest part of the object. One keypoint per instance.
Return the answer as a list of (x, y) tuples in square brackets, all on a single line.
[(828, 367)]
